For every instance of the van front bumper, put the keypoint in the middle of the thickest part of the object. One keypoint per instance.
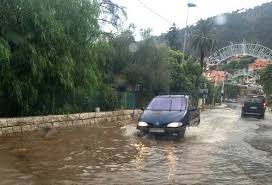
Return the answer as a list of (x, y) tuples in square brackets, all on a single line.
[(161, 130)]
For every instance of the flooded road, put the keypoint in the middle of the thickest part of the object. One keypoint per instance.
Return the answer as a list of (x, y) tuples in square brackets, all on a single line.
[(224, 149)]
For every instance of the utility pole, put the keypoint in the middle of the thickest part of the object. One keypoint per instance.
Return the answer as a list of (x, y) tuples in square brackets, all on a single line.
[(222, 90), (189, 5)]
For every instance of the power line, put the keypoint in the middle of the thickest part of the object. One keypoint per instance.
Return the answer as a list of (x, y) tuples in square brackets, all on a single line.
[(166, 20), (170, 22), (154, 12)]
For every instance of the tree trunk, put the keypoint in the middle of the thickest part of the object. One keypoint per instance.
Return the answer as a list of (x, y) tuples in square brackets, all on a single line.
[(201, 58), (53, 101)]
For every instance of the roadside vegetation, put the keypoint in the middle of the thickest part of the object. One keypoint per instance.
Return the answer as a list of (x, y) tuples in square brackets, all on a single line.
[(55, 58), (266, 82)]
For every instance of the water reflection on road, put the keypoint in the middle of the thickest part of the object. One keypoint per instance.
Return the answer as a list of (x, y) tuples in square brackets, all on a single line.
[(224, 149)]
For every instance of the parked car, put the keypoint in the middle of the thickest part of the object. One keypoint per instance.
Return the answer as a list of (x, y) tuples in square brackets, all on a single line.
[(230, 100), (169, 114), (254, 105)]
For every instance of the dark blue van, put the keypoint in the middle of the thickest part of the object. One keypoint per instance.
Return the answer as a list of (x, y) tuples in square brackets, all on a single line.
[(254, 105), (169, 114)]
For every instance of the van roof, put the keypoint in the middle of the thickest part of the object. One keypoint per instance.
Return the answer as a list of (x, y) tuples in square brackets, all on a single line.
[(255, 96), (173, 96)]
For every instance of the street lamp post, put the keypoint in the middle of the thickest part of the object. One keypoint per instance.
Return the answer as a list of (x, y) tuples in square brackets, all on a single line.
[(189, 5)]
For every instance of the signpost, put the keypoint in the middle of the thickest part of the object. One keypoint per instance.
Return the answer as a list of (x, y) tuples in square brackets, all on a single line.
[(136, 89), (204, 92)]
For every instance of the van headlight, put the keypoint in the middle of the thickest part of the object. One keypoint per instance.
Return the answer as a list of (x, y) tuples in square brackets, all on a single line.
[(142, 124), (175, 124)]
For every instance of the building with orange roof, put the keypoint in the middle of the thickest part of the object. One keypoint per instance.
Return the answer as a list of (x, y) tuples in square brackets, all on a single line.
[(216, 76), (258, 64)]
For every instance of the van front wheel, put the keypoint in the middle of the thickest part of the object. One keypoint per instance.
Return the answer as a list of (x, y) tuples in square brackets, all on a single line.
[(181, 133), (142, 133)]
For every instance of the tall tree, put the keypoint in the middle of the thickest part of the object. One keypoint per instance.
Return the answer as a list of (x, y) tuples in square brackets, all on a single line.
[(203, 38), (149, 67), (185, 76), (173, 38), (48, 54), (266, 80)]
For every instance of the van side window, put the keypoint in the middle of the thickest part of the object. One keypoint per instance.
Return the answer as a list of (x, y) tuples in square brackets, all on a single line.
[(190, 103)]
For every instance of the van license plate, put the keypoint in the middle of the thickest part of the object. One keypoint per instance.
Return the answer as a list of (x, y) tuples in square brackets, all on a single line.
[(253, 108), (156, 130)]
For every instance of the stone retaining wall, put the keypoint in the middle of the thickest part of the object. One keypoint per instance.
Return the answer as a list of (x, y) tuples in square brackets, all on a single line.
[(17, 125)]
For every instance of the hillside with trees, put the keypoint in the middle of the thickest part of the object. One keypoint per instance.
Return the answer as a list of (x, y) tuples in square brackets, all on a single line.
[(253, 25)]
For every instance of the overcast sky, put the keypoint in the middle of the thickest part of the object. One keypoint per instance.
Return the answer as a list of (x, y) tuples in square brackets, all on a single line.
[(176, 11)]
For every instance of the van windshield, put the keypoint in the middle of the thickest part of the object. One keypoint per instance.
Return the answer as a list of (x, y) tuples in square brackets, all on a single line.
[(167, 104), (254, 99)]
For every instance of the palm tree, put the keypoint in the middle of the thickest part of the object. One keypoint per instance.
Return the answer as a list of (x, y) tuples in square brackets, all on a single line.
[(203, 38)]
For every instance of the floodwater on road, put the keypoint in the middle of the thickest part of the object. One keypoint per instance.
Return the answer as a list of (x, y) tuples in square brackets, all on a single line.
[(224, 149)]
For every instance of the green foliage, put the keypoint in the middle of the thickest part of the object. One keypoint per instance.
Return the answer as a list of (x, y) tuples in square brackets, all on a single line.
[(232, 91), (253, 25), (157, 68), (202, 38), (185, 76), (55, 59), (214, 94), (4, 51), (236, 64), (265, 80), (51, 54), (149, 68), (123, 48), (173, 39)]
